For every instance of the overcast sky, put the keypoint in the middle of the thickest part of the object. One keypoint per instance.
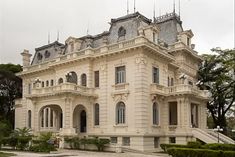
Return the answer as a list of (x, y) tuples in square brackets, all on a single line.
[(24, 24)]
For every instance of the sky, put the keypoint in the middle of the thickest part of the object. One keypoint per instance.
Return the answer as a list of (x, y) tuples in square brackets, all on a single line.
[(25, 24)]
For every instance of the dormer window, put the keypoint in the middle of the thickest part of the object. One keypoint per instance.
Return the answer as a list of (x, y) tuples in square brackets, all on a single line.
[(121, 33), (39, 56), (47, 54)]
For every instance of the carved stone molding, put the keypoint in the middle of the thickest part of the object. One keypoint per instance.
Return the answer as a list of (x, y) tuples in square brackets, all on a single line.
[(141, 60), (120, 96)]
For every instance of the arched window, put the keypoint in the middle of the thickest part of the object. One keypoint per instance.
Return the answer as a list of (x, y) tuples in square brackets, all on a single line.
[(83, 80), (120, 113), (121, 32), (47, 54), (42, 118), (60, 81), (72, 77), (29, 118), (42, 83), (47, 83), (155, 114), (39, 56), (52, 82), (97, 114)]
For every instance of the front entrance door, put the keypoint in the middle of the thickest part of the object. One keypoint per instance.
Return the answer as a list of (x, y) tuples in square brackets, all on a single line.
[(83, 121)]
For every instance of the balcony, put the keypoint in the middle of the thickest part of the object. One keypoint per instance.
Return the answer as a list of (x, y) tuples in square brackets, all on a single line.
[(62, 89), (178, 90)]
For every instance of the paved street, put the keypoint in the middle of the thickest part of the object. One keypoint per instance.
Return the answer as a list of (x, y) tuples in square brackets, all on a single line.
[(75, 153)]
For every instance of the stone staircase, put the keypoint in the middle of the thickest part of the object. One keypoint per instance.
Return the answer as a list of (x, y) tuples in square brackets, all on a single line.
[(209, 136)]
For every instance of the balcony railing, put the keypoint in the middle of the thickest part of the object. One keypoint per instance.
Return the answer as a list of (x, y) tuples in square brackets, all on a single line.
[(62, 88), (178, 89)]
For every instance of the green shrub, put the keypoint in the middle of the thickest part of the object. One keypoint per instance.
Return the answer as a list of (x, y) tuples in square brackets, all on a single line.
[(99, 143), (189, 152), (165, 147), (194, 145), (74, 142), (220, 146), (23, 142), (45, 143)]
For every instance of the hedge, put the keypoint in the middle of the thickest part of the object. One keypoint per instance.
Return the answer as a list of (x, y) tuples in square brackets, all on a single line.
[(189, 152), (220, 146), (75, 142)]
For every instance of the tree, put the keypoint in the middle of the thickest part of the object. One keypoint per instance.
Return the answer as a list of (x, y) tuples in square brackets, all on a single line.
[(216, 74), (10, 89)]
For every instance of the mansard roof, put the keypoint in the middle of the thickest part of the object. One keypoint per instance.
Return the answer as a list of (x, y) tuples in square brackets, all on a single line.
[(130, 16), (169, 27)]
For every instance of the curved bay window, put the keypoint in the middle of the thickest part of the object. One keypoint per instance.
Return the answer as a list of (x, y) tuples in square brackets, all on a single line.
[(97, 114), (83, 80), (120, 113), (155, 114)]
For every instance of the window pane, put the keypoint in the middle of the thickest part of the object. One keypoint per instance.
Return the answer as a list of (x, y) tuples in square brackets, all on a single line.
[(155, 75), (126, 141), (97, 79), (97, 110), (120, 74)]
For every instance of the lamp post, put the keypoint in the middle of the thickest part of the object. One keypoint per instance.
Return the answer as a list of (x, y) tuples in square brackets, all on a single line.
[(218, 129)]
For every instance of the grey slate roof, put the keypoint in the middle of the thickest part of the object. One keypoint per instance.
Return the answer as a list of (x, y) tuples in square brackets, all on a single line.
[(169, 24)]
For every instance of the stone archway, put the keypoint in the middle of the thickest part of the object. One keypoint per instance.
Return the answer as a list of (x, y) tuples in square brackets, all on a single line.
[(50, 118), (80, 119)]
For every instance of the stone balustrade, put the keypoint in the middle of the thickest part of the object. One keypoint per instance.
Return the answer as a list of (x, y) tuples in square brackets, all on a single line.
[(63, 88), (178, 89)]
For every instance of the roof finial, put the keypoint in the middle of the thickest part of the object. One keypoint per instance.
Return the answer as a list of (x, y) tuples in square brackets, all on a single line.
[(134, 5), (154, 10), (58, 35), (179, 8), (173, 6), (87, 31), (48, 37), (127, 7)]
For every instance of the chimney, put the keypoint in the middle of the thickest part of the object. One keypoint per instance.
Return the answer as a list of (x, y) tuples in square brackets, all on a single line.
[(26, 57)]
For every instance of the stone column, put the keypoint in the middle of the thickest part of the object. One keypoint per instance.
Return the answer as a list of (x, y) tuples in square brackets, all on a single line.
[(68, 117), (141, 93)]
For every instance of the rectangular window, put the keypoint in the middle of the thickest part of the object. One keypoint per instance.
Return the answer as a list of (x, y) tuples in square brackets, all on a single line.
[(126, 141), (120, 74), (173, 113), (172, 140), (29, 88), (113, 140), (188, 41), (154, 37), (97, 78), (42, 84), (155, 75), (156, 142), (51, 118), (172, 81)]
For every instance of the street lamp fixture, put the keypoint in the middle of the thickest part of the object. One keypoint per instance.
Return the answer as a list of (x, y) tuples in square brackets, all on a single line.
[(218, 129)]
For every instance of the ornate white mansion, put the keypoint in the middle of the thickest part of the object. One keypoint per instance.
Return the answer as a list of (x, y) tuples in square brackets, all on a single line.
[(134, 84)]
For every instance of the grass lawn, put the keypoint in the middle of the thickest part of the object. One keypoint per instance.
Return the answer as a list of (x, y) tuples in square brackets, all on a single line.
[(6, 154)]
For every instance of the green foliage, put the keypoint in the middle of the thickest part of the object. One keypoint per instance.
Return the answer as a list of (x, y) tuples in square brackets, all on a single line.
[(11, 67), (10, 89), (165, 147), (18, 139), (75, 142), (218, 146), (45, 143), (5, 130), (216, 75), (194, 145), (99, 143), (189, 152), (6, 154)]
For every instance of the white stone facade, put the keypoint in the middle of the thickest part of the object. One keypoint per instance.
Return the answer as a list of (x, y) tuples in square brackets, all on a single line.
[(151, 99)]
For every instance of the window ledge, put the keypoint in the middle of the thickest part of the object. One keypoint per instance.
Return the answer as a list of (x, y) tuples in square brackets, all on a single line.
[(121, 125), (96, 126), (120, 84), (156, 126)]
